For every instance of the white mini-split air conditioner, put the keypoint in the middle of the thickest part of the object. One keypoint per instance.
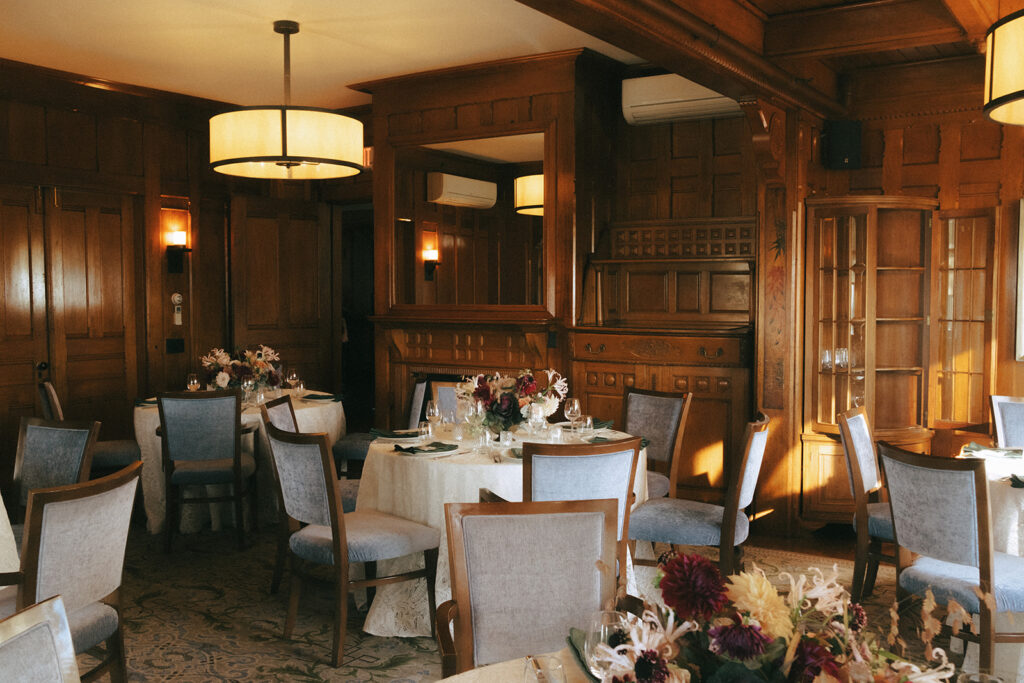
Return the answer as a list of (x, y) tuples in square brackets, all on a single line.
[(656, 99), (454, 190)]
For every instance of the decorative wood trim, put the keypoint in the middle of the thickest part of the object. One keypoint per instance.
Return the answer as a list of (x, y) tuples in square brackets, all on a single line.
[(694, 238)]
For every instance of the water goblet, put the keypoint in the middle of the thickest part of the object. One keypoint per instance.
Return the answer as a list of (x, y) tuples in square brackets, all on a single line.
[(292, 378), (572, 411), (192, 382), (425, 431), (247, 388), (536, 419), (604, 626), (299, 387), (586, 426), (433, 415)]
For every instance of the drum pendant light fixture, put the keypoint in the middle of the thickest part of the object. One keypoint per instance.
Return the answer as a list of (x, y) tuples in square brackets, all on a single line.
[(529, 194), (1004, 70), (286, 142)]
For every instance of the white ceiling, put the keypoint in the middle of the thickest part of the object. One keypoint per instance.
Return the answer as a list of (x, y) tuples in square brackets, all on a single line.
[(508, 149), (227, 50)]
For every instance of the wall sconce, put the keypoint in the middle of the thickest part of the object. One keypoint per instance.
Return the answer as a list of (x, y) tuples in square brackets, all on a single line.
[(529, 194), (431, 260), (174, 224)]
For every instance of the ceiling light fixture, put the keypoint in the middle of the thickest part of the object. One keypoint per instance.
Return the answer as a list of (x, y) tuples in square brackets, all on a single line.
[(529, 194), (286, 142), (1004, 75)]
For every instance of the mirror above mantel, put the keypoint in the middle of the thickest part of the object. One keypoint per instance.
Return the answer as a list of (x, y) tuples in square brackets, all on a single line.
[(455, 247)]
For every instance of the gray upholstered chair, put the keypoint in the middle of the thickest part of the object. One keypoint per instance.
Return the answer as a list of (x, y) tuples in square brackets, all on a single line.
[(941, 513), (106, 455), (74, 547), (659, 417), (585, 472), (201, 443), (1008, 417), (52, 453), (689, 522), (873, 518), (322, 535), (522, 575), (35, 645)]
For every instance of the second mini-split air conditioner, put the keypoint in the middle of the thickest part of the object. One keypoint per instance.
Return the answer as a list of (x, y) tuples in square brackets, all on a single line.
[(454, 190), (656, 99)]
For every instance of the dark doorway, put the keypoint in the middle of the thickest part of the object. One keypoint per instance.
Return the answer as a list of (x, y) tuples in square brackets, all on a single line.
[(357, 307)]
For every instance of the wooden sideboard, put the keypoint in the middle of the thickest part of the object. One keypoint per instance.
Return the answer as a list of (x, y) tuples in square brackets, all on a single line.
[(712, 363)]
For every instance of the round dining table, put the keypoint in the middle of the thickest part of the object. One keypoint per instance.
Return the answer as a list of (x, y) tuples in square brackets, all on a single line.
[(314, 411), (515, 670), (416, 487)]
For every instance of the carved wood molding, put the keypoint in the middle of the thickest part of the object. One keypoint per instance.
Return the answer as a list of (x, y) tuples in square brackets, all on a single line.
[(768, 134), (698, 239)]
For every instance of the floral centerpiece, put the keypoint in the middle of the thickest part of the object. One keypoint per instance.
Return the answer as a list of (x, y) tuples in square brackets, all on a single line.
[(507, 399), (225, 369), (742, 629)]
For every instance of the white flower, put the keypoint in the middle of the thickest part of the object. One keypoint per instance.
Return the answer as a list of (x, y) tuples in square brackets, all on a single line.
[(550, 405), (222, 379)]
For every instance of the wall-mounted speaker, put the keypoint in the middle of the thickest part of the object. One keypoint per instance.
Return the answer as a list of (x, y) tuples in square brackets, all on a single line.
[(840, 145)]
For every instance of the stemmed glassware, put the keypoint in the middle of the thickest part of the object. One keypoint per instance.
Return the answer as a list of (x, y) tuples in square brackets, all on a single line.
[(603, 626), (475, 416), (248, 386), (537, 419), (572, 411), (192, 382), (433, 415)]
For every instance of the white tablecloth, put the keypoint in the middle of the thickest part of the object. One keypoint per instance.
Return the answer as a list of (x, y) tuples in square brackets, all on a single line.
[(416, 488), (9, 560), (514, 670), (312, 415)]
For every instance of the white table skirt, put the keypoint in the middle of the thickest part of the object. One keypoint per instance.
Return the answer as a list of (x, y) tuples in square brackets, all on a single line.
[(9, 560), (514, 670), (416, 488), (312, 416)]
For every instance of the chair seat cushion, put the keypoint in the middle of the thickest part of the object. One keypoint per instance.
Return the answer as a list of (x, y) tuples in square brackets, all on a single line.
[(685, 522), (349, 492), (958, 582), (115, 454), (657, 485), (352, 446), (220, 471), (879, 521), (372, 536), (91, 625)]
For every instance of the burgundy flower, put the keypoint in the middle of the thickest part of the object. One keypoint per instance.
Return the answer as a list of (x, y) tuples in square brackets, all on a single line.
[(858, 617), (507, 408), (811, 659), (626, 678), (650, 667), (738, 640), (692, 586), (526, 386), (483, 392)]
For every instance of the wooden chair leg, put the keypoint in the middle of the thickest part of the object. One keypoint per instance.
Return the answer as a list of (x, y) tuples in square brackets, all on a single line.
[(294, 590), (116, 653), (860, 565), (254, 508), (987, 642), (341, 590), (370, 572), (872, 569), (430, 563), (169, 515), (239, 514), (282, 557)]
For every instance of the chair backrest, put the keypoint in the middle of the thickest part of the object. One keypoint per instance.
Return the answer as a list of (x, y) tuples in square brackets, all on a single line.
[(52, 453), (859, 446), (743, 482), (200, 425), (417, 403), (1008, 417), (444, 396), (281, 413), (560, 557), (660, 417), (304, 468), (75, 539), (940, 506), (49, 402), (35, 645)]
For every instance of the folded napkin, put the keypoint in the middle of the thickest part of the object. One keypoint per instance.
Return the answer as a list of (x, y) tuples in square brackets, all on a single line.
[(604, 424), (388, 434), (1016, 481), (977, 449), (322, 397), (435, 447), (576, 638), (145, 401)]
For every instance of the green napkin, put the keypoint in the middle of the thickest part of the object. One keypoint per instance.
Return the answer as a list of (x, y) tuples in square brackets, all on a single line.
[(974, 447), (435, 447), (388, 434), (576, 639), (322, 397), (604, 424)]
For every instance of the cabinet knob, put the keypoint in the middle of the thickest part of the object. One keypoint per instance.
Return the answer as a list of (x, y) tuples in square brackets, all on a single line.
[(590, 349), (717, 354)]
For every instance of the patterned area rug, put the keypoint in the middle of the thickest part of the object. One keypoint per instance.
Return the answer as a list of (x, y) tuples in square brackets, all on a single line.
[(204, 613)]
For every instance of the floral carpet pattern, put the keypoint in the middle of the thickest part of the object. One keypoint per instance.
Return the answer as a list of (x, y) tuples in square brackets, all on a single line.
[(204, 613)]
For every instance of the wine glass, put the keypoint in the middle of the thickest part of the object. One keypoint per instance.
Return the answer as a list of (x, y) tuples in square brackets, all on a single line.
[(292, 379), (433, 414), (572, 411), (586, 426), (192, 382), (605, 626), (536, 419), (247, 388)]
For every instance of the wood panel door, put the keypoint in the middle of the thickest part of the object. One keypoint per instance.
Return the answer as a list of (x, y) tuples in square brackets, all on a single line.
[(23, 338), (281, 283), (91, 271)]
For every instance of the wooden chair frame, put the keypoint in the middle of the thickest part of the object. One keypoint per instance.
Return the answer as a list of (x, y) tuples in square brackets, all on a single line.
[(996, 402), (49, 612), (50, 402), (284, 532), (976, 466), (83, 468), (286, 398), (869, 549), (300, 569), (113, 661), (573, 449), (457, 653), (671, 468), (175, 496)]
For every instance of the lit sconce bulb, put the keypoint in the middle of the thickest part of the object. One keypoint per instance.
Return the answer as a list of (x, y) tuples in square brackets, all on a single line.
[(177, 238), (431, 255)]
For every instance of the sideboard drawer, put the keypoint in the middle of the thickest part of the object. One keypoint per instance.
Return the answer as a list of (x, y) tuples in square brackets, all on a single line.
[(711, 350)]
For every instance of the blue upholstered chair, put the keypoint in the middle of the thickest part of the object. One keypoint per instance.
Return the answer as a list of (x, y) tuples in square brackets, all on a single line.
[(52, 453), (281, 413), (587, 471), (35, 645), (201, 443), (1008, 416), (941, 513), (106, 455), (873, 519), (689, 522), (74, 547), (562, 554), (321, 534), (659, 417)]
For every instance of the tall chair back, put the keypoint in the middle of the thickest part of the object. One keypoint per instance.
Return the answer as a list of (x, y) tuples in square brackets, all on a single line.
[(35, 645), (281, 413), (49, 402), (559, 556), (204, 425), (1008, 417), (660, 417), (52, 453)]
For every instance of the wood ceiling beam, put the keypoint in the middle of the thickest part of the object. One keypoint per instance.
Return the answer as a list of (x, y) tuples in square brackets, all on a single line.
[(866, 27), (669, 36), (974, 15)]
